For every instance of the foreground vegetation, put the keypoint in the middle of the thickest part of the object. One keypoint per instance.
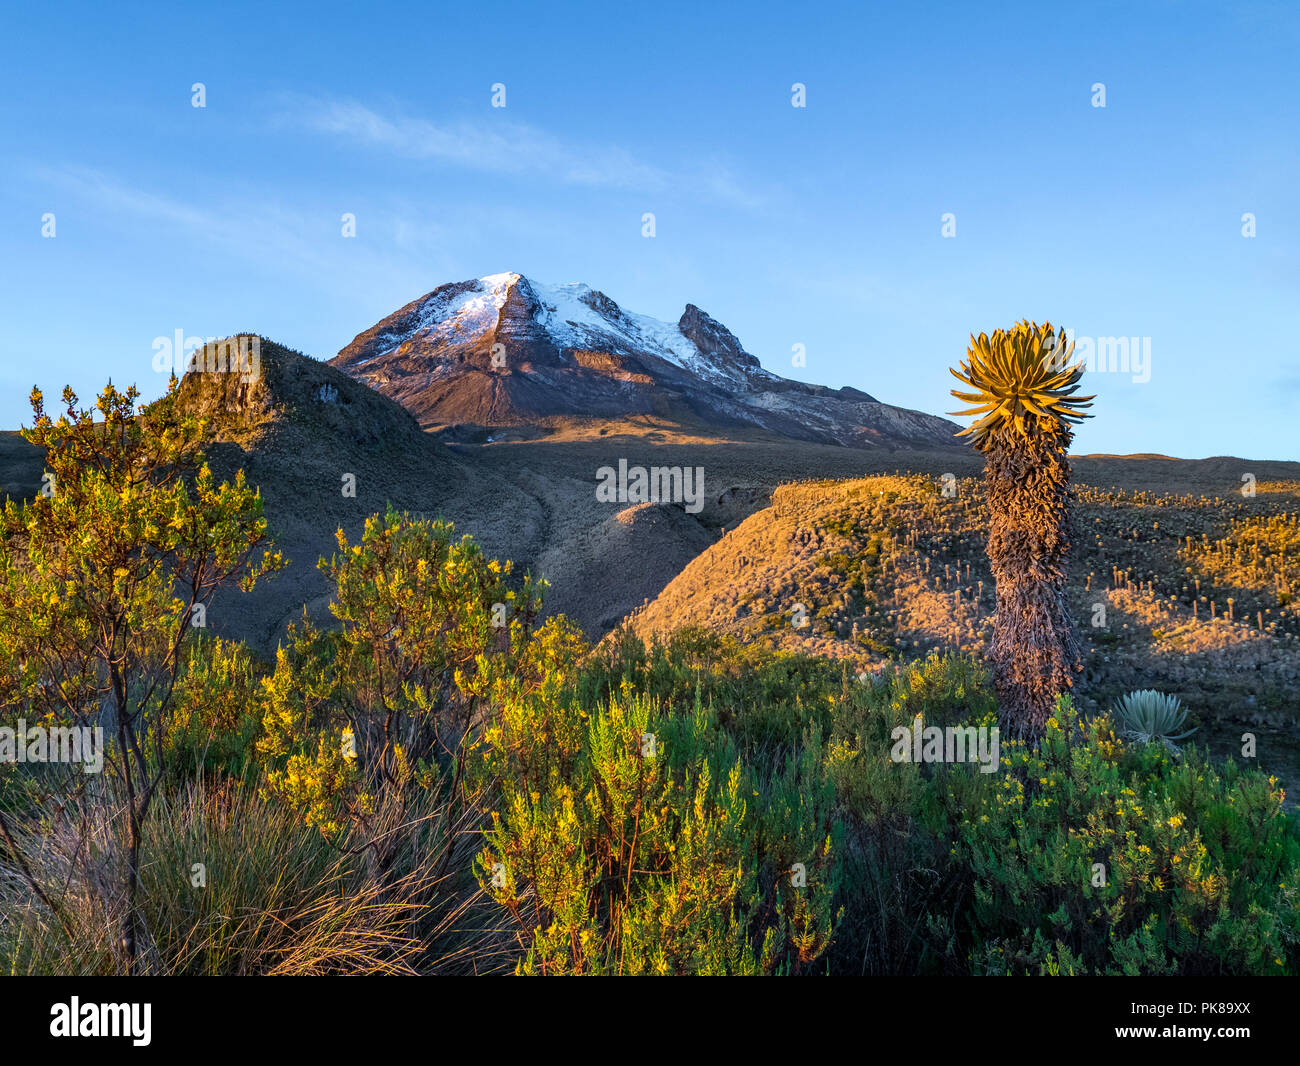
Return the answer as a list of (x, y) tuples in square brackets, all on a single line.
[(442, 783), (700, 808)]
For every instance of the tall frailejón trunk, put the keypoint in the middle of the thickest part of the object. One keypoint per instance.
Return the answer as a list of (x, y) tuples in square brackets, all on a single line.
[(1022, 385), (1035, 651)]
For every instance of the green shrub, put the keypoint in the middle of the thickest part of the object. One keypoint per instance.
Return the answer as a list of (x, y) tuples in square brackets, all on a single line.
[(643, 851), (1130, 861), (216, 715), (939, 868), (766, 699)]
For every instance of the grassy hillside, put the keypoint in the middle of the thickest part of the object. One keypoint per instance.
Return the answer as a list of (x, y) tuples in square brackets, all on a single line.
[(1193, 595)]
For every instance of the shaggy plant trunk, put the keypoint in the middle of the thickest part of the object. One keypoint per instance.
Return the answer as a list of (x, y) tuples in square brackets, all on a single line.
[(1035, 651)]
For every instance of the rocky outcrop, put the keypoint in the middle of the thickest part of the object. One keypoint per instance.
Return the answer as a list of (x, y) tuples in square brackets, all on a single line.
[(246, 384)]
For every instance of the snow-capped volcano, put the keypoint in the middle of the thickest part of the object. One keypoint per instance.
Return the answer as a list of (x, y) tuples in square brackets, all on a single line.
[(506, 351)]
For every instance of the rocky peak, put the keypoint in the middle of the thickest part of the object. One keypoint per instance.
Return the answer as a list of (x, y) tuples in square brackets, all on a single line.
[(715, 342), (603, 306)]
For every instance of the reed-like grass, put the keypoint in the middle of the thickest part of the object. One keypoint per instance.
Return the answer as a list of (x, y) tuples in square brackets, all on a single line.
[(231, 883)]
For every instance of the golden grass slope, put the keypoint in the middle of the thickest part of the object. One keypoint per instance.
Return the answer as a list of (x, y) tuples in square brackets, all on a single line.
[(889, 567)]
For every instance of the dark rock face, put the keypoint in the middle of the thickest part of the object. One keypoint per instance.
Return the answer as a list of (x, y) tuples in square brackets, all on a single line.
[(507, 351), (526, 342), (715, 342)]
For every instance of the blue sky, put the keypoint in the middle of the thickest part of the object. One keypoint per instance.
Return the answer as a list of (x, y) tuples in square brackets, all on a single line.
[(819, 226)]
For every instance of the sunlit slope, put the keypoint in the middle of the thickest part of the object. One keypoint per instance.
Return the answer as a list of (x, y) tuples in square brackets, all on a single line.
[(1162, 587)]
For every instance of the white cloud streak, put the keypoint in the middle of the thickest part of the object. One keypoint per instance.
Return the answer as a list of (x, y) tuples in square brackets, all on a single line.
[(503, 146)]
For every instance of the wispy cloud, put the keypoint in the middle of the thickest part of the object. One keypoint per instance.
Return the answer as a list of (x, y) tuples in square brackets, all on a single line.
[(503, 146), (244, 223), (239, 223)]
